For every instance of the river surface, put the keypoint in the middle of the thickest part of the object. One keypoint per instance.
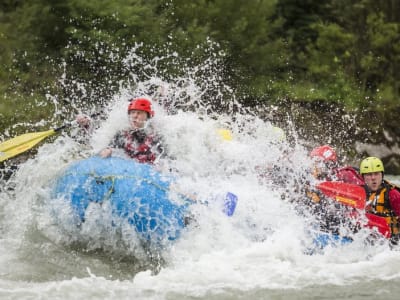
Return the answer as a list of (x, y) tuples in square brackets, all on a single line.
[(261, 252)]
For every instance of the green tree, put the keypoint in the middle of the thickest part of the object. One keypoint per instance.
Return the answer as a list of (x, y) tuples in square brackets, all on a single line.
[(254, 57)]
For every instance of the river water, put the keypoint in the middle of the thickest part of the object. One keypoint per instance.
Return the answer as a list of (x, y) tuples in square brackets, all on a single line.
[(264, 251)]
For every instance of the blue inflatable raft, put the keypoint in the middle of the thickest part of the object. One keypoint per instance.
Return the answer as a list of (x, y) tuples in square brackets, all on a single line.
[(136, 193), (323, 239)]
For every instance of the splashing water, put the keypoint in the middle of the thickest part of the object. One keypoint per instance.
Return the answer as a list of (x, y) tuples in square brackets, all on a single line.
[(256, 253)]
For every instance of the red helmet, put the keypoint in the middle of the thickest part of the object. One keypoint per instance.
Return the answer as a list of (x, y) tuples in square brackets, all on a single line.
[(142, 104), (326, 153)]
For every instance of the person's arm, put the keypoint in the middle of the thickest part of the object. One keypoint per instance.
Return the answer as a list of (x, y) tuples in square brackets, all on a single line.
[(83, 121), (83, 131), (88, 124), (394, 197), (116, 142), (105, 152), (350, 175)]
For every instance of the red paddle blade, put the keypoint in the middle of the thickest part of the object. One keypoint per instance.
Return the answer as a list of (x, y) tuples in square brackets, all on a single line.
[(379, 223), (345, 193)]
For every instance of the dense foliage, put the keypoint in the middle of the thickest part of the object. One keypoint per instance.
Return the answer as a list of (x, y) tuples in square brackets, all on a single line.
[(340, 51)]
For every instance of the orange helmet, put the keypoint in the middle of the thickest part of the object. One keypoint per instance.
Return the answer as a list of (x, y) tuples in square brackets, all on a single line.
[(142, 104), (326, 153)]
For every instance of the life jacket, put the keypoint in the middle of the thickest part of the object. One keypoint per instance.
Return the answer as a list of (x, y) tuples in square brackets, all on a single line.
[(378, 203), (138, 145), (349, 174)]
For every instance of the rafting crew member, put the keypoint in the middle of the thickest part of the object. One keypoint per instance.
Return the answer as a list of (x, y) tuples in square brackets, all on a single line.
[(383, 197), (326, 167), (332, 216), (139, 141)]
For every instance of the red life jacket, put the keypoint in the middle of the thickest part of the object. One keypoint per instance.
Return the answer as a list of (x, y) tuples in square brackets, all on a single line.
[(349, 175)]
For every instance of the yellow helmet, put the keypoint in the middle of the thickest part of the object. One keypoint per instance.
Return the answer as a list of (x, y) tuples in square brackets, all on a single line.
[(371, 165), (279, 134), (225, 134)]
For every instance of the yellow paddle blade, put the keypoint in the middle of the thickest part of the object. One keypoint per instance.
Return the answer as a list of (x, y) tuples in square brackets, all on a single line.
[(22, 143)]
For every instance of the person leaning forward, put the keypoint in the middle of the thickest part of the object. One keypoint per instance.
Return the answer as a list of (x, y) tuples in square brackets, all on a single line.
[(326, 167), (332, 215)]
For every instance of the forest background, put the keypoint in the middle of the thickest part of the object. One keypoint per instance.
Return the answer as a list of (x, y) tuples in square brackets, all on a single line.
[(317, 62)]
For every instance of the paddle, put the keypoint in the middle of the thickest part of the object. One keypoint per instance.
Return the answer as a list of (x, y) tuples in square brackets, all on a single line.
[(24, 142), (354, 196), (345, 193), (379, 223), (229, 200)]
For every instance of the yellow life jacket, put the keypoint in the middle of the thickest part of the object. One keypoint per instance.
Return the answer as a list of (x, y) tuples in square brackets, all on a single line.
[(378, 203)]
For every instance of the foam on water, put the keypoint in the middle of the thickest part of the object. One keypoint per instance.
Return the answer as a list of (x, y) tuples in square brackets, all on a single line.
[(263, 246)]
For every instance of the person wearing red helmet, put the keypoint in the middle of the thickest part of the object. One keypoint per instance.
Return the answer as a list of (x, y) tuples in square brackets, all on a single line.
[(331, 216), (325, 152), (138, 140), (326, 167)]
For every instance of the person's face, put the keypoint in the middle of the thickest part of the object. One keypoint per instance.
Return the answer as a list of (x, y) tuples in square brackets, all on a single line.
[(137, 118), (319, 168), (373, 180)]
